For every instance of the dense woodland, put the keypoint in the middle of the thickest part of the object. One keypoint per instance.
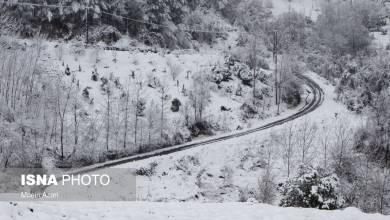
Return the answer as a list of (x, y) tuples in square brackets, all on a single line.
[(152, 21), (38, 110)]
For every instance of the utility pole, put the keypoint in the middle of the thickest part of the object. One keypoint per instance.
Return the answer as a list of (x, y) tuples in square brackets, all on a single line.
[(254, 66), (275, 56), (280, 86), (108, 118), (277, 79), (289, 22), (353, 30), (86, 19)]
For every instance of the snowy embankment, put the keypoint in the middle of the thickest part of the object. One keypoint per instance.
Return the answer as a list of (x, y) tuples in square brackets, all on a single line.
[(220, 172), (172, 211)]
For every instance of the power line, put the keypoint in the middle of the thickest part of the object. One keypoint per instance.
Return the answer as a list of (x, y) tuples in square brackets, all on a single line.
[(166, 26), (10, 3)]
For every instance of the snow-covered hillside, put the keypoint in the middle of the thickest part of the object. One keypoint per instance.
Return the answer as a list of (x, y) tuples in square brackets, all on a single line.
[(227, 109), (230, 171), (143, 71), (172, 211)]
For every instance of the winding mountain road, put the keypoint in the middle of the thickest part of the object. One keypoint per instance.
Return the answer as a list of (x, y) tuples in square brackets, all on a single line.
[(315, 102)]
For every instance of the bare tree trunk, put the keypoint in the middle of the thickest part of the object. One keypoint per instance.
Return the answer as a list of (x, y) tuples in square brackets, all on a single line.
[(135, 129), (254, 88), (76, 137), (150, 125), (290, 136), (108, 120), (162, 113), (126, 120), (62, 139), (62, 113), (137, 100), (276, 65), (385, 187)]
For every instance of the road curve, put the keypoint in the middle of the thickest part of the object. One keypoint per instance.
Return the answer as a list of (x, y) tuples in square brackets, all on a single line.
[(318, 97)]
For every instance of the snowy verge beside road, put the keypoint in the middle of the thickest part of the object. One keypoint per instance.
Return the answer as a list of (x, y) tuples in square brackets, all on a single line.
[(172, 211)]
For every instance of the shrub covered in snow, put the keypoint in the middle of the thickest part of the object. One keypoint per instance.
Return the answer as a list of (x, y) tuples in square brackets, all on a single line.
[(187, 163), (220, 74), (311, 189), (201, 128), (147, 171), (105, 33), (175, 107), (248, 111), (243, 72), (232, 68)]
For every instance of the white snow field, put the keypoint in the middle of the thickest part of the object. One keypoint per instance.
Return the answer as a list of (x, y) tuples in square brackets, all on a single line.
[(172, 211)]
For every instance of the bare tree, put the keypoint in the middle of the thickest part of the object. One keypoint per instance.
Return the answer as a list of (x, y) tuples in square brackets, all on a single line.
[(372, 193), (174, 69), (253, 62), (185, 111), (288, 146), (139, 107), (381, 121), (384, 190), (199, 95), (267, 189), (151, 114), (126, 117), (325, 143), (305, 136), (60, 51), (62, 108), (266, 184), (164, 97), (343, 136), (108, 91), (76, 107), (114, 56)]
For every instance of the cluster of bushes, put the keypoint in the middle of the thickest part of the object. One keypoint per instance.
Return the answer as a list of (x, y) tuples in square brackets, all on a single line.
[(364, 79)]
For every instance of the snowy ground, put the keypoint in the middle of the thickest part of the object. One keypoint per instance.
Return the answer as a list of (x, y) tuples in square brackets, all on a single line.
[(172, 211), (218, 172), (202, 177)]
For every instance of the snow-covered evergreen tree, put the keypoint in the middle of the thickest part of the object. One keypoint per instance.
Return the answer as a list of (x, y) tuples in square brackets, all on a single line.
[(311, 189)]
